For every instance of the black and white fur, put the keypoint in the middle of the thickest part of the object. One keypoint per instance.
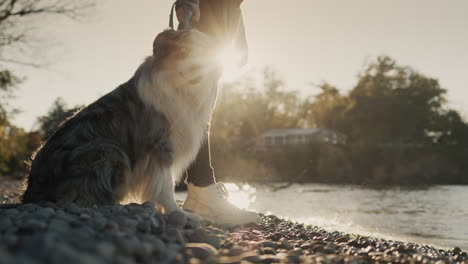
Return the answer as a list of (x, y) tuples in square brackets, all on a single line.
[(136, 140)]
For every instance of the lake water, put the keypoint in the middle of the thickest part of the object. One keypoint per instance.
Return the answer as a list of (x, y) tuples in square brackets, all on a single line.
[(434, 215)]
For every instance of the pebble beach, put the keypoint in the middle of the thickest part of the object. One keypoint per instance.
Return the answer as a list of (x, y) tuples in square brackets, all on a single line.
[(137, 233)]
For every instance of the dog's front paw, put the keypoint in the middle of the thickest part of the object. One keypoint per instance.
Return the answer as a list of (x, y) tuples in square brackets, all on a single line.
[(183, 218)]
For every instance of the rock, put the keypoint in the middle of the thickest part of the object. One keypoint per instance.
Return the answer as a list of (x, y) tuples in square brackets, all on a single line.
[(286, 245), (11, 212), (65, 254), (5, 223), (456, 250), (305, 246), (148, 205), (293, 259), (32, 225), (193, 223), (85, 217), (342, 239), (58, 225), (155, 224), (251, 257), (99, 222), (144, 226), (330, 248), (229, 260), (237, 251), (28, 207), (72, 208), (111, 227), (44, 213), (174, 235), (177, 218), (268, 251), (23, 260), (201, 250), (5, 256), (269, 259), (267, 243), (136, 210), (60, 214), (144, 251), (158, 245), (124, 245), (296, 252), (124, 260), (106, 250)]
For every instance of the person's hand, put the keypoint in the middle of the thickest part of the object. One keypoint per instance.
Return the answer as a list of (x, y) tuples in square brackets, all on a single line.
[(187, 10)]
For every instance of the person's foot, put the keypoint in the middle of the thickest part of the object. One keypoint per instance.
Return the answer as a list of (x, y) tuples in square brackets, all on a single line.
[(211, 204)]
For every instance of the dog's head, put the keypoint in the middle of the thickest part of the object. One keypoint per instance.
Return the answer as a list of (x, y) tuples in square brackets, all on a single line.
[(223, 21), (188, 54)]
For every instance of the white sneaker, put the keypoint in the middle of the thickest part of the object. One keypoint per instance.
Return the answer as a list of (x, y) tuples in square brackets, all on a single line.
[(211, 204)]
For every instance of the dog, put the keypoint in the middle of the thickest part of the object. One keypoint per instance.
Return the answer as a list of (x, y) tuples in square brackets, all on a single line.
[(136, 141)]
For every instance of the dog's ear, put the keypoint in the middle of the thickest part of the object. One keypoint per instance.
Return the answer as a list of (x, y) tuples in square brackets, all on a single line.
[(161, 43), (169, 46), (164, 44)]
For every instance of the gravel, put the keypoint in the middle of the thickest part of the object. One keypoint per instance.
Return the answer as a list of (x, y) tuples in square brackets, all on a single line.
[(66, 233)]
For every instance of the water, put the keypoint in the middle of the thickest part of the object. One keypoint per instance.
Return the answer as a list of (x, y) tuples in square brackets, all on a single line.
[(436, 215)]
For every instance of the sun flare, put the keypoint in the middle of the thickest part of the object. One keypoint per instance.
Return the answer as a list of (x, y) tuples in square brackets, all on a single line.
[(241, 196), (231, 59)]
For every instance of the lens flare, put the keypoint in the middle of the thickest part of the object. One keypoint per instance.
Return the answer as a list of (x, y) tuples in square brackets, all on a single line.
[(231, 59), (241, 197)]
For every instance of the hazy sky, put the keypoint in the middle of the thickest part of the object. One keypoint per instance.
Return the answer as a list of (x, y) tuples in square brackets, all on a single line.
[(306, 41)]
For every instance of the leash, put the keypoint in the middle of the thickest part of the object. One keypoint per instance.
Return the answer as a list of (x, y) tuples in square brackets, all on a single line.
[(189, 11)]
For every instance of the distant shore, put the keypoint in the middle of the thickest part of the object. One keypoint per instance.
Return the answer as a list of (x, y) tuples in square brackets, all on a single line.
[(65, 233)]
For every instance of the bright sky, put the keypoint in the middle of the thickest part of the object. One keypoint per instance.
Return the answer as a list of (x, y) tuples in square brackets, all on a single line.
[(306, 41)]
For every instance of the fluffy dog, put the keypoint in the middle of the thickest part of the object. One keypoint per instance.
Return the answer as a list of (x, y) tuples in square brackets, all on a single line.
[(136, 140)]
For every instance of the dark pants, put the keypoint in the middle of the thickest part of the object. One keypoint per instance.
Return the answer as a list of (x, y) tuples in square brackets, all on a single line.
[(200, 173)]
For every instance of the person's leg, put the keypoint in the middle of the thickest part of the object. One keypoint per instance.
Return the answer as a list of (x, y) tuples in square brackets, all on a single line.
[(201, 173), (206, 197), (210, 199)]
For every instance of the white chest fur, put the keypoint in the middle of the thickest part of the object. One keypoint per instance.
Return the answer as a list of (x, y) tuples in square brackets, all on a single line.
[(188, 110)]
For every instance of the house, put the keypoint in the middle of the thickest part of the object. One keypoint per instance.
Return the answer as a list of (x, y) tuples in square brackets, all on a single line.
[(296, 136)]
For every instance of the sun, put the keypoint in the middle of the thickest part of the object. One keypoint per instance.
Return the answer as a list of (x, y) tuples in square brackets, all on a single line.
[(231, 60)]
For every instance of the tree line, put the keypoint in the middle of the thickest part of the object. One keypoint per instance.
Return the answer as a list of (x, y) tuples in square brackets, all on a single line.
[(398, 126)]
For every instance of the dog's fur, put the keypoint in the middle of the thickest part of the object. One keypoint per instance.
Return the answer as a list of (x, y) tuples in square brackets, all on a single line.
[(136, 139), (134, 142)]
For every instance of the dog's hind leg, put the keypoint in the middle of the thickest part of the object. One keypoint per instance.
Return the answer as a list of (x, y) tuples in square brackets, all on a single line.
[(97, 174)]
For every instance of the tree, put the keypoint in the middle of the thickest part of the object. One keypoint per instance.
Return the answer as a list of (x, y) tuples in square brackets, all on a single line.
[(7, 82), (244, 111), (16, 40), (327, 109), (16, 27), (58, 113), (397, 123), (16, 145), (392, 104)]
